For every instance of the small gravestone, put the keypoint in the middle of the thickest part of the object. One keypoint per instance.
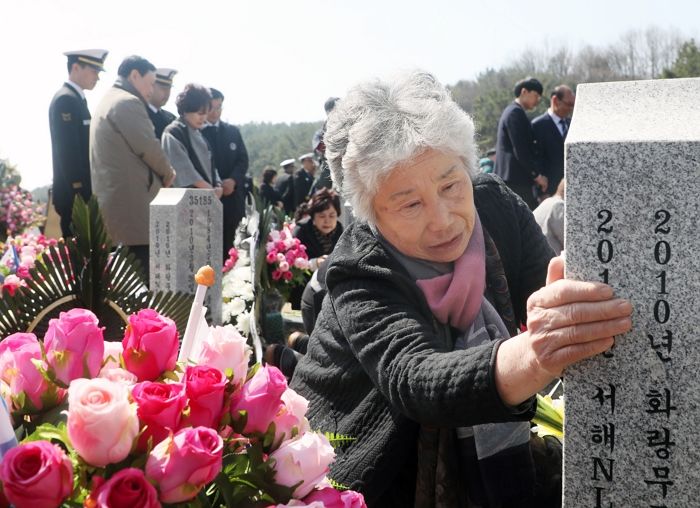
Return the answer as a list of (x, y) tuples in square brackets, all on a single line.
[(186, 234), (632, 435)]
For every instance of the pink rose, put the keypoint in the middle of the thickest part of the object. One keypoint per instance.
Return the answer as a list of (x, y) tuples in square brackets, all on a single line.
[(224, 348), (112, 354), (119, 375), (287, 276), (17, 354), (150, 345), (305, 459), (271, 257), (276, 275), (182, 464), (74, 345), (102, 423), (284, 266), (205, 390), (37, 474), (260, 397), (302, 263), (290, 415), (159, 407), (126, 489), (332, 498), (11, 283)]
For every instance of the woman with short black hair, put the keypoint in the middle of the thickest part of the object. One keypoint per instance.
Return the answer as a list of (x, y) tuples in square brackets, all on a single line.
[(183, 143)]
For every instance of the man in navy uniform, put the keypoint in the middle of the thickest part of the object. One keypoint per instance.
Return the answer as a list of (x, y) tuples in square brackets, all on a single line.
[(304, 179), (161, 93), (231, 161), (549, 130), (69, 121), (285, 186), (515, 152)]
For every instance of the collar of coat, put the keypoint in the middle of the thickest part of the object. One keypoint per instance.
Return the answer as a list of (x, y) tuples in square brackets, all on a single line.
[(125, 84)]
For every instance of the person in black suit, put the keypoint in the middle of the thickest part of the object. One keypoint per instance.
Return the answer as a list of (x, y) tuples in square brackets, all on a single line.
[(69, 122), (549, 131), (161, 93), (515, 155), (304, 179), (231, 160), (285, 186)]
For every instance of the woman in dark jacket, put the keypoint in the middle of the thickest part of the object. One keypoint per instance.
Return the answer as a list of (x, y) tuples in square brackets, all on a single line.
[(267, 189), (411, 354), (321, 231)]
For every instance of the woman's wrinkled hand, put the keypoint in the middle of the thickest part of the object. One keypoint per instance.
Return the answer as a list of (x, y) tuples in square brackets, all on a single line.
[(568, 321)]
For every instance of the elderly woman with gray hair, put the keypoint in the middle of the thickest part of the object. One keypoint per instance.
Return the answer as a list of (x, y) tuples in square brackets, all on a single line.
[(415, 354)]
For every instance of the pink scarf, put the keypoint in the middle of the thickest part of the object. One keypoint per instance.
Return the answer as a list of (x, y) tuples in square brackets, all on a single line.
[(455, 298)]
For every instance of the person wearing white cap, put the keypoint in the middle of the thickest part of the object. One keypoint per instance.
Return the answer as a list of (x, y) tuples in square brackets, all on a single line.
[(161, 93), (69, 122), (285, 185), (304, 179)]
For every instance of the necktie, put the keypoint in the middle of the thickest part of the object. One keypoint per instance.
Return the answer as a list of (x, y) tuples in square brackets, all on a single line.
[(564, 128)]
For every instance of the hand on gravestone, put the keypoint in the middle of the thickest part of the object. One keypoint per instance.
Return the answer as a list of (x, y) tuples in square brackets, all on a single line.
[(568, 321), (168, 182)]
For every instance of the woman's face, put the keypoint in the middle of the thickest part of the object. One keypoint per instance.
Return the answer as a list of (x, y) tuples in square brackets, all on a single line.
[(326, 220), (425, 208), (196, 119)]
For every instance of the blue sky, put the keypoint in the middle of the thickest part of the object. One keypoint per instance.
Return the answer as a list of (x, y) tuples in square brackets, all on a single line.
[(279, 60)]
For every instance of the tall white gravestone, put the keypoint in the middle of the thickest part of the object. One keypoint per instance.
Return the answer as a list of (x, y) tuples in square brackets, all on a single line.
[(186, 234), (632, 435)]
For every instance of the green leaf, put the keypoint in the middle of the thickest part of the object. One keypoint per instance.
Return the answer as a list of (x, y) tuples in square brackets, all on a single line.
[(50, 432)]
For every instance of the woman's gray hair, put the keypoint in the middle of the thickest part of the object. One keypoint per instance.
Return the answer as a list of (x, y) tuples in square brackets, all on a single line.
[(381, 124)]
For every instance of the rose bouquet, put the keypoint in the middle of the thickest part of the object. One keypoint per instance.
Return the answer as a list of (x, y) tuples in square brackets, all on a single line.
[(107, 424), (19, 255), (286, 258), (18, 211)]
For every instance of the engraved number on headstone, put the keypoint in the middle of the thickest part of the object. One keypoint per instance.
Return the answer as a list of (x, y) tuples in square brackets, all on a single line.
[(606, 216), (663, 216)]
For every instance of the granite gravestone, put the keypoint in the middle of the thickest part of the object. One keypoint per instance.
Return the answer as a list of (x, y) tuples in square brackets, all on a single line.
[(632, 434), (186, 234)]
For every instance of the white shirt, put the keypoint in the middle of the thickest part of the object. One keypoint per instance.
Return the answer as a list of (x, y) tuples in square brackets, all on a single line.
[(557, 121), (77, 88)]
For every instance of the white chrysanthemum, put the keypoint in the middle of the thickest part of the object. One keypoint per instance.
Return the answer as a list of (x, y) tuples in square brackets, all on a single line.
[(243, 323)]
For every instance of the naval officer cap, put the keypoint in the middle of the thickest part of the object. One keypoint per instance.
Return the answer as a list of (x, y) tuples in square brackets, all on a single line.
[(93, 57), (309, 155), (287, 162), (164, 76)]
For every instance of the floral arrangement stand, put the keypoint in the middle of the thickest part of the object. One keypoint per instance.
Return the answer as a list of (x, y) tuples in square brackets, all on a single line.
[(83, 271), (124, 424)]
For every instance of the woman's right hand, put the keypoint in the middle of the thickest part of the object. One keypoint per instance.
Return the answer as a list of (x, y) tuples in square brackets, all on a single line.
[(568, 321)]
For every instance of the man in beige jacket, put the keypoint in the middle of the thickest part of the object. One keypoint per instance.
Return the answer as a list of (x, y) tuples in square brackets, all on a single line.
[(127, 164)]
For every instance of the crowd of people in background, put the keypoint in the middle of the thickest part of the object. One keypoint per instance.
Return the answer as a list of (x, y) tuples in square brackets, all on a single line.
[(132, 147)]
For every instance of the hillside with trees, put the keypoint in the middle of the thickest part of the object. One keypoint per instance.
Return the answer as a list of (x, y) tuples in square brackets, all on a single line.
[(643, 54)]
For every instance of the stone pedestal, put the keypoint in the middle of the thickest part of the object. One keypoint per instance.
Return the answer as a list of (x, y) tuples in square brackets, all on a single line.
[(186, 234), (632, 435)]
